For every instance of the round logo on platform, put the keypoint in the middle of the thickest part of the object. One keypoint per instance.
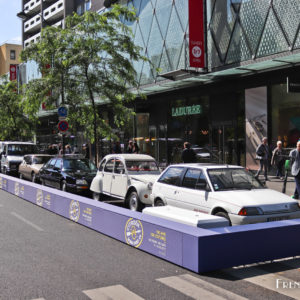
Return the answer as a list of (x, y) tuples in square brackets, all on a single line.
[(39, 197), (74, 211), (134, 232), (17, 188), (196, 51)]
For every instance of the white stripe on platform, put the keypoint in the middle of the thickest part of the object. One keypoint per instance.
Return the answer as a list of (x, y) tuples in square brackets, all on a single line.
[(114, 292), (39, 299), (197, 288), (270, 281)]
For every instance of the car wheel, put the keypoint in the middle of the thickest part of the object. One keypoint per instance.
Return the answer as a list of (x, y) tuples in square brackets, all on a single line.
[(21, 176), (223, 214), (43, 182), (97, 196), (159, 202), (64, 186), (133, 202), (4, 171), (33, 177)]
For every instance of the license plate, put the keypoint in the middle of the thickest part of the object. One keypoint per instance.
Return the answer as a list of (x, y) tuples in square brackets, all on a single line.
[(277, 219)]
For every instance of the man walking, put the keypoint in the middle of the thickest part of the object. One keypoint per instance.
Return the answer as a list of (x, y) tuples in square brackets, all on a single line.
[(262, 153), (295, 163)]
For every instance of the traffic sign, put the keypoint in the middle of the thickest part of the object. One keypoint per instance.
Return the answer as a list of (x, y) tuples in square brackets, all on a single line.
[(63, 126), (62, 111)]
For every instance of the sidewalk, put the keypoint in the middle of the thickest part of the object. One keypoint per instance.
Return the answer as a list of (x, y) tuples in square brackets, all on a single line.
[(277, 184)]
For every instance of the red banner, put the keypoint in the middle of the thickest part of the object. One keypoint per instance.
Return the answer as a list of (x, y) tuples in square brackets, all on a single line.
[(196, 34), (12, 72)]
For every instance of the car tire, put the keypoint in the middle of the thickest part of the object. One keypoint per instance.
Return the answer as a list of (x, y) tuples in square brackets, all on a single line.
[(4, 171), (159, 202), (97, 196), (63, 186), (223, 214), (133, 202), (43, 182), (20, 175), (33, 177)]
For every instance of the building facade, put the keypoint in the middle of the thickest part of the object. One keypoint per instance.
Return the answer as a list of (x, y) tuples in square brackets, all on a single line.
[(9, 56), (252, 49)]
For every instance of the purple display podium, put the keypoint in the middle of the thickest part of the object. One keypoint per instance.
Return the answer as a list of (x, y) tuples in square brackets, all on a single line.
[(196, 249)]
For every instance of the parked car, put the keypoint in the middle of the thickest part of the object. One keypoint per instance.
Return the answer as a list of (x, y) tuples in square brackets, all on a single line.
[(126, 176), (12, 155), (231, 192), (31, 165), (67, 173)]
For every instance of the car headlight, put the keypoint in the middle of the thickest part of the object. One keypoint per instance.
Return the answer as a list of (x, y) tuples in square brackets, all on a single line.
[(250, 211), (81, 182), (150, 185)]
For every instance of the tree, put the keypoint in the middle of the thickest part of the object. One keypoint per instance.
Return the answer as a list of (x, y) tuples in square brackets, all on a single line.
[(92, 60), (14, 124)]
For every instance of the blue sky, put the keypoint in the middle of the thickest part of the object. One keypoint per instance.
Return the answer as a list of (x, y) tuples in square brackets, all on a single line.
[(10, 24)]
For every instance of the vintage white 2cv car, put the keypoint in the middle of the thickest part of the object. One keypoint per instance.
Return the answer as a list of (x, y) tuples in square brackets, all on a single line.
[(126, 176)]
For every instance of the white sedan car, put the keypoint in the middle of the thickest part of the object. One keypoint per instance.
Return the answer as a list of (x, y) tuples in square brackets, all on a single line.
[(222, 190), (128, 177)]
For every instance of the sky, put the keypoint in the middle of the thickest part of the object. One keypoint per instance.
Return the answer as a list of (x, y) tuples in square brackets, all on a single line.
[(10, 24)]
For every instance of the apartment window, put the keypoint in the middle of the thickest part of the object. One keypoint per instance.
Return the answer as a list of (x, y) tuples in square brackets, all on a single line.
[(13, 54)]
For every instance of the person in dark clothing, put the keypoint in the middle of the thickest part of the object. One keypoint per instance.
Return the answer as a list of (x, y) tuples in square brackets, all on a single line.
[(136, 148), (130, 147), (116, 147), (188, 155)]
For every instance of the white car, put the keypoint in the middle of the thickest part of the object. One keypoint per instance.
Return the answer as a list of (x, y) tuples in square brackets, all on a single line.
[(126, 176), (231, 192)]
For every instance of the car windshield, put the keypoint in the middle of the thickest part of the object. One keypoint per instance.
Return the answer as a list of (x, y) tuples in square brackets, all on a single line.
[(39, 160), (145, 166), (21, 149), (79, 165), (233, 179)]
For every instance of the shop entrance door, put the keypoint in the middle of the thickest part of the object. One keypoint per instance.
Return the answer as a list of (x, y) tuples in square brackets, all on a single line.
[(224, 145)]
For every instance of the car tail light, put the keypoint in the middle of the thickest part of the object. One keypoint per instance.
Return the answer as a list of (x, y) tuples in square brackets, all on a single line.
[(250, 211)]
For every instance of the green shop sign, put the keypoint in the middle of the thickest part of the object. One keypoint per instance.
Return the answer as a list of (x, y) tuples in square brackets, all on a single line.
[(186, 110)]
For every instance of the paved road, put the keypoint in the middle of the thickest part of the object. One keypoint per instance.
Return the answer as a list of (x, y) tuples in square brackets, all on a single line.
[(45, 256)]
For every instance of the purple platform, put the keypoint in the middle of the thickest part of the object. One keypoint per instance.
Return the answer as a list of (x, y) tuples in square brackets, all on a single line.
[(196, 249)]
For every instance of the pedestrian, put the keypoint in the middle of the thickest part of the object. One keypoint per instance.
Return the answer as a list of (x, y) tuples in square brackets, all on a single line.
[(262, 154), (278, 160), (136, 148), (188, 155), (60, 149), (116, 147), (68, 149), (75, 150), (295, 168), (130, 147), (86, 150)]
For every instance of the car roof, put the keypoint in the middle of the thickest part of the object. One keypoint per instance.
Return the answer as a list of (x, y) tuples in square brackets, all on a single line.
[(206, 165), (129, 156)]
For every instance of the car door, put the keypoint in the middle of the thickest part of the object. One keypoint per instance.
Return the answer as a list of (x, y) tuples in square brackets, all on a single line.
[(107, 175), (26, 166), (47, 172), (56, 176), (119, 183), (193, 192), (167, 185)]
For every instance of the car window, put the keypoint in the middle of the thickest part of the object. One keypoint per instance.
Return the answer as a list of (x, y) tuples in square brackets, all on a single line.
[(51, 163), (172, 176), (58, 164), (190, 178), (79, 165), (41, 159), (109, 166), (232, 179), (27, 159), (102, 164), (142, 166), (119, 167)]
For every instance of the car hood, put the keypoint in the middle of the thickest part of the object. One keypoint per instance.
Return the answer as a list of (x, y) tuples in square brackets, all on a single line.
[(268, 200), (146, 178)]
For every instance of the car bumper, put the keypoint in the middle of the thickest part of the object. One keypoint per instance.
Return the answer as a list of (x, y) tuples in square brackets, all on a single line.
[(242, 220), (78, 189)]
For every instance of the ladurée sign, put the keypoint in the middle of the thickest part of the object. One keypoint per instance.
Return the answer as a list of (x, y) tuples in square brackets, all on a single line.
[(186, 110)]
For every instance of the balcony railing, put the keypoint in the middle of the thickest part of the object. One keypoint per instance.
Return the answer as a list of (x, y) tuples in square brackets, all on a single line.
[(55, 11)]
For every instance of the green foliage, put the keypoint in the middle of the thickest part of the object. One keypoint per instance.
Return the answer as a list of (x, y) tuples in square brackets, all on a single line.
[(91, 65), (14, 125)]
